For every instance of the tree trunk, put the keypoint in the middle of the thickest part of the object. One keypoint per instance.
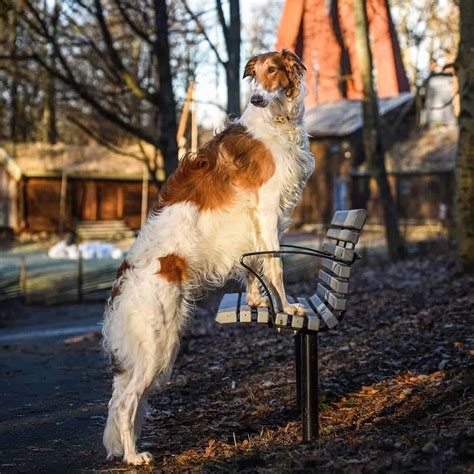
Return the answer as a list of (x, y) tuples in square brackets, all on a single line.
[(167, 125), (233, 64), (50, 132), (373, 145), (13, 105), (465, 155)]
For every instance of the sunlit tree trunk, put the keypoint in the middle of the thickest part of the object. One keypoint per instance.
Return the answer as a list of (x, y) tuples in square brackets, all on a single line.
[(465, 155), (373, 145)]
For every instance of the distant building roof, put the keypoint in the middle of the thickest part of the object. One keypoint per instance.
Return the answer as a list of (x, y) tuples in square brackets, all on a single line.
[(429, 150), (344, 117), (92, 161)]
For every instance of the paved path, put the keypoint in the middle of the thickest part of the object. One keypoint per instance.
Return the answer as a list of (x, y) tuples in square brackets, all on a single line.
[(52, 402)]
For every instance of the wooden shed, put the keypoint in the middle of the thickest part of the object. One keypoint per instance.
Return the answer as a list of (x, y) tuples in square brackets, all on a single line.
[(60, 189), (420, 166)]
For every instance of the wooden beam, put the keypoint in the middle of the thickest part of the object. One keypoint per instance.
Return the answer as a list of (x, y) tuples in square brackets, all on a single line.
[(144, 196), (181, 134), (62, 202), (194, 127)]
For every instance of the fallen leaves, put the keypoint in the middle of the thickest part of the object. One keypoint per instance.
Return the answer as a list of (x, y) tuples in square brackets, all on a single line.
[(386, 375)]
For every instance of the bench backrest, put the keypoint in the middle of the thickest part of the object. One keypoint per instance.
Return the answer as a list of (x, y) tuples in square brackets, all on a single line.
[(333, 278)]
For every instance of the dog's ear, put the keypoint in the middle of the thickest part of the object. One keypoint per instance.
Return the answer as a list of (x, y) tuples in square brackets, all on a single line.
[(295, 70), (249, 70), (292, 62)]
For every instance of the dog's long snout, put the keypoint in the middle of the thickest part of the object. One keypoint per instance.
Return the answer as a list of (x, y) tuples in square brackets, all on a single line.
[(258, 101)]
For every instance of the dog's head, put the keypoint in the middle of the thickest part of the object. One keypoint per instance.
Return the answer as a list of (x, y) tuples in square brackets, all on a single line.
[(275, 73)]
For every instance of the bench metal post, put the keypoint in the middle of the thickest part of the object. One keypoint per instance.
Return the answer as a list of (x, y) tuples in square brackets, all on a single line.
[(298, 348), (310, 383)]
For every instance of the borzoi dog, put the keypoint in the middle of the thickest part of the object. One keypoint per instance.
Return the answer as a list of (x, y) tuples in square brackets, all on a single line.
[(234, 195)]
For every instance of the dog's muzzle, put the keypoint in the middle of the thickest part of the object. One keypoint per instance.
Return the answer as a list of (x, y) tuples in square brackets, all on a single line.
[(258, 100)]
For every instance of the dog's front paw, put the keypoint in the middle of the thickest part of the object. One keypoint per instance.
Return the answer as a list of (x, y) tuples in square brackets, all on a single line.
[(294, 309), (257, 301), (138, 459)]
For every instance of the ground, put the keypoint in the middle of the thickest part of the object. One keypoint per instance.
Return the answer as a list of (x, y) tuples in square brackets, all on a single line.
[(396, 384)]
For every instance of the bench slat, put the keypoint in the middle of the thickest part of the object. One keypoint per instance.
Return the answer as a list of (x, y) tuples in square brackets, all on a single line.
[(354, 219), (341, 286), (281, 319), (313, 320), (227, 312), (297, 321), (245, 314), (346, 235), (325, 313), (263, 315), (336, 301), (342, 253), (340, 269)]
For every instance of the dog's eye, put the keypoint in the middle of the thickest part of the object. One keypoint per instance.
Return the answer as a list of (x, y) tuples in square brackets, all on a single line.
[(271, 69)]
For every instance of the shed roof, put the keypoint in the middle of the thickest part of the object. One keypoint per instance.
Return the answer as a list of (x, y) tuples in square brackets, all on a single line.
[(344, 117), (430, 150), (88, 161)]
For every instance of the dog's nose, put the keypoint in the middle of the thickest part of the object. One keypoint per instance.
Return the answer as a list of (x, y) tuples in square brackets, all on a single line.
[(258, 101)]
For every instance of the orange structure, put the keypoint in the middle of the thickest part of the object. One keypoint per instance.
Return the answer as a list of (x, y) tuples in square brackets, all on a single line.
[(322, 33)]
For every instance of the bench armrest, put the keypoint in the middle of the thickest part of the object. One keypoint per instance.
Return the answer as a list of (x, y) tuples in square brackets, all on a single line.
[(267, 286)]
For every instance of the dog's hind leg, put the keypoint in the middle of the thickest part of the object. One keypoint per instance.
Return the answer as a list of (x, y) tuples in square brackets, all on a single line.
[(127, 412), (153, 367), (111, 439), (142, 409)]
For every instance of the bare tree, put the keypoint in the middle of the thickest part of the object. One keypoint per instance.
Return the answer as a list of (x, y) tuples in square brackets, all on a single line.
[(261, 32), (373, 145), (465, 156), (91, 42), (426, 26), (232, 38)]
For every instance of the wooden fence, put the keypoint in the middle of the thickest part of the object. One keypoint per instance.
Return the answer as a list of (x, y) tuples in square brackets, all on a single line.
[(36, 281)]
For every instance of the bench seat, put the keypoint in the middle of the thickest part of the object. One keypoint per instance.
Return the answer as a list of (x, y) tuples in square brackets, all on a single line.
[(233, 309)]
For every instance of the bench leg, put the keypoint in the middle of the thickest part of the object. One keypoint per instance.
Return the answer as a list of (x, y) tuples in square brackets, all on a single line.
[(298, 368), (309, 390)]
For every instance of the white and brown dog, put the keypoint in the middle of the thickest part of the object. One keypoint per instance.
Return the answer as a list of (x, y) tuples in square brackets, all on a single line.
[(234, 195)]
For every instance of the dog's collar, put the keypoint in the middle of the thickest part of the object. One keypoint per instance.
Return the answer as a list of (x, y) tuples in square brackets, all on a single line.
[(284, 119)]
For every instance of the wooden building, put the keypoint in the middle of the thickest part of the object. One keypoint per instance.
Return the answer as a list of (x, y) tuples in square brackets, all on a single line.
[(322, 33), (55, 192), (420, 164)]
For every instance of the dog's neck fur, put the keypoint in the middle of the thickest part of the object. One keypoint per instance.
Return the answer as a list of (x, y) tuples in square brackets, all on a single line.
[(280, 127)]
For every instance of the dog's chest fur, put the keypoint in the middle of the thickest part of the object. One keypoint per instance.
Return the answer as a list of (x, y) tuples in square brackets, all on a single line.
[(294, 161)]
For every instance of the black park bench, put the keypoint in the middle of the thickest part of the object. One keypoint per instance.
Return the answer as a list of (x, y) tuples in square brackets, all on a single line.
[(324, 309)]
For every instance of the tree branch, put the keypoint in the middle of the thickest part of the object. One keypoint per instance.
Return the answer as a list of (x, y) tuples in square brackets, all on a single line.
[(70, 80), (124, 74), (131, 24), (225, 29), (100, 139), (202, 30)]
